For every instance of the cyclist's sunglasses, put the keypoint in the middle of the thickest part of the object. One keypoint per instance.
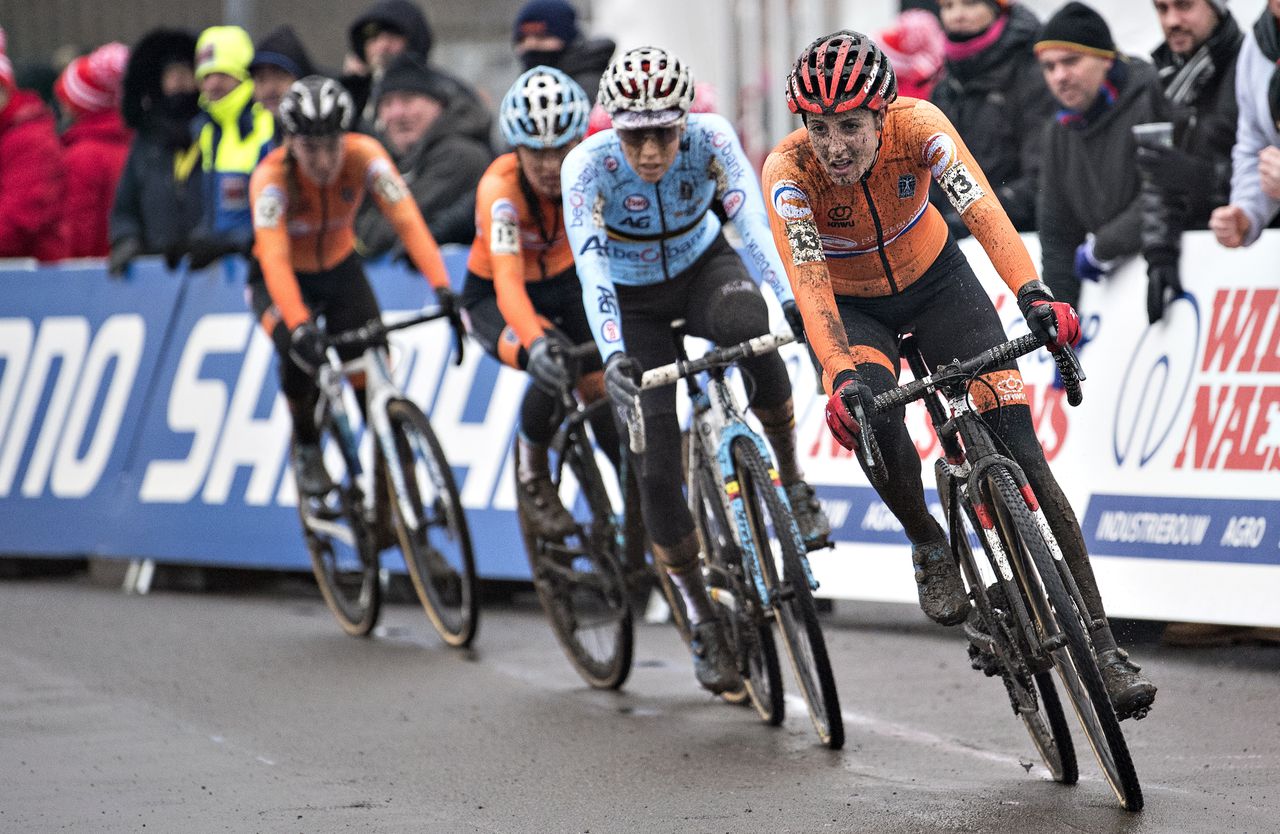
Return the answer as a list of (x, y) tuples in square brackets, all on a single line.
[(637, 137)]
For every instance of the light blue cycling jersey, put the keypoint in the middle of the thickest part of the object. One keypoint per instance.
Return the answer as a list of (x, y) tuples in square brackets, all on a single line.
[(626, 231)]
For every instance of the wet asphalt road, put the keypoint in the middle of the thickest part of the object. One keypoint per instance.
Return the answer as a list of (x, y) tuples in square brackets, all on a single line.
[(217, 712)]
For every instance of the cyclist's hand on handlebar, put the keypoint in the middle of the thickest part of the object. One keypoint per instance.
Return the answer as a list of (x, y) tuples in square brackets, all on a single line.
[(307, 347), (1055, 323), (791, 312), (840, 420), (545, 364), (621, 381), (449, 305)]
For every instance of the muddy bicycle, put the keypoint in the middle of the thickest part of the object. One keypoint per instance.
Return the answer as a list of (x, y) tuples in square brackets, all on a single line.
[(1030, 616)]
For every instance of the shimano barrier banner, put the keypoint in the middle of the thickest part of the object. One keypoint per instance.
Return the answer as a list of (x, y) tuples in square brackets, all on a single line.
[(141, 418)]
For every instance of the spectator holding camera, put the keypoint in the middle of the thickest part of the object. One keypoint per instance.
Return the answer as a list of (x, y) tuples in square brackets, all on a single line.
[(1185, 171), (1255, 175)]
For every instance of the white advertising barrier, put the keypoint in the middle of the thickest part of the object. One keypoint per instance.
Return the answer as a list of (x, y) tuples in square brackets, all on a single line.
[(1172, 462)]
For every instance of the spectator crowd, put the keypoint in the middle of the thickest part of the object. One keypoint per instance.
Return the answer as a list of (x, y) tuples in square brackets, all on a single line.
[(1110, 155)]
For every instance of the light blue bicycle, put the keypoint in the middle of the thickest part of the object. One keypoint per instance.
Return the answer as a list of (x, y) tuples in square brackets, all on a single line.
[(752, 552)]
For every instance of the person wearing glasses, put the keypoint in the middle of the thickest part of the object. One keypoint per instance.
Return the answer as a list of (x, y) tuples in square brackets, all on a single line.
[(649, 250)]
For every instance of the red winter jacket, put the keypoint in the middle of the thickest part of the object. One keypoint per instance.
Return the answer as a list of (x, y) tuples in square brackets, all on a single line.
[(97, 145), (31, 181)]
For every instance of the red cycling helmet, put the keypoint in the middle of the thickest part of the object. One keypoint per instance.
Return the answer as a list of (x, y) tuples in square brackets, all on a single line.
[(841, 72)]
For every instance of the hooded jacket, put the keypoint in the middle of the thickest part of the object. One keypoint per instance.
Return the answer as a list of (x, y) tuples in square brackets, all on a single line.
[(1256, 129), (1089, 180), (234, 134), (999, 103), (32, 180), (442, 171), (97, 145), (157, 200)]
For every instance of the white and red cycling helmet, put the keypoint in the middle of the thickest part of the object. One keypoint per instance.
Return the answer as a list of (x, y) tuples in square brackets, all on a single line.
[(646, 87)]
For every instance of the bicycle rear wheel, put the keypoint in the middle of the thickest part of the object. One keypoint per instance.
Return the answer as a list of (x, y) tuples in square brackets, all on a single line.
[(578, 580), (773, 530), (1032, 696), (738, 603), (1064, 630), (344, 553), (432, 527)]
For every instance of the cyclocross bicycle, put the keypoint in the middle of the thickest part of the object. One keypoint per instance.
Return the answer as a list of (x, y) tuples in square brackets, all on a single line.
[(585, 581), (407, 497), (753, 556), (1030, 615)]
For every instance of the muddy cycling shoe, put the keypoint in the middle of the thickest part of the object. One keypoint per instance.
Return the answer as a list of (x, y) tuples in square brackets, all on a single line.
[(308, 469), (1131, 694), (815, 527), (546, 516), (943, 597), (713, 661)]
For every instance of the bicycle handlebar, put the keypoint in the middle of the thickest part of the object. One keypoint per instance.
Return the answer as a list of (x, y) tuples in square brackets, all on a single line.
[(680, 369), (373, 332)]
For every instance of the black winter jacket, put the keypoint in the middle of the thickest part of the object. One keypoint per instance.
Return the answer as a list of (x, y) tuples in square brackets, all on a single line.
[(999, 103)]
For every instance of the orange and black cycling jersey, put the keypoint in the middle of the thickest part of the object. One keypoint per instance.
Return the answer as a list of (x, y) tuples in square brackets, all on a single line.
[(517, 241), (879, 235), (302, 227)]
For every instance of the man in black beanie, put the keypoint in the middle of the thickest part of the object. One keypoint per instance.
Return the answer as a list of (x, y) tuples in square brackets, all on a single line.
[(425, 120), (546, 32), (1088, 211)]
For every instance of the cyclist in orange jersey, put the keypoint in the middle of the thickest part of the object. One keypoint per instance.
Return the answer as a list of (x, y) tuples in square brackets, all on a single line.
[(522, 297), (870, 259), (304, 197)]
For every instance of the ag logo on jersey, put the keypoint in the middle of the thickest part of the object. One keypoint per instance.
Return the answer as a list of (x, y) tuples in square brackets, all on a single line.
[(790, 202)]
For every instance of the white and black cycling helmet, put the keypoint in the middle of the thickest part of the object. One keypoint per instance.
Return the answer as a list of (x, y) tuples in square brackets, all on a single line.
[(315, 106), (646, 87), (544, 109)]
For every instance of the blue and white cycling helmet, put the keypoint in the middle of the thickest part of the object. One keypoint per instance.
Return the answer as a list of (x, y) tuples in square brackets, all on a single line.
[(544, 109)]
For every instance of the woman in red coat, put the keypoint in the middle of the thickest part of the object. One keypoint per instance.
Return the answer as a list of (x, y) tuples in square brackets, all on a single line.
[(97, 144), (31, 173)]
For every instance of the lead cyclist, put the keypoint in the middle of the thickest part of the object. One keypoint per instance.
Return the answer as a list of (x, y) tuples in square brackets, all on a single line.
[(649, 250), (871, 258)]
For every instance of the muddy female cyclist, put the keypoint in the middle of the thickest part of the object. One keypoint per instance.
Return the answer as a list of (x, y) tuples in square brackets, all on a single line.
[(648, 249), (522, 296), (870, 259), (304, 197)]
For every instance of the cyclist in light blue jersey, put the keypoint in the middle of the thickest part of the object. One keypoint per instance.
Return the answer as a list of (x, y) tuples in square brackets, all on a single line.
[(649, 250)]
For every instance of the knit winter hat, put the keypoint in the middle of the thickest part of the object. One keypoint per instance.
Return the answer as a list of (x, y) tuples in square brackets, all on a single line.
[(406, 74), (914, 45), (225, 49), (1079, 28), (281, 47), (6, 68), (546, 17), (93, 83)]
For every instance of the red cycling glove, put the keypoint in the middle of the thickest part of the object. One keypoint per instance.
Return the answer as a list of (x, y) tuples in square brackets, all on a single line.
[(844, 428), (1054, 322)]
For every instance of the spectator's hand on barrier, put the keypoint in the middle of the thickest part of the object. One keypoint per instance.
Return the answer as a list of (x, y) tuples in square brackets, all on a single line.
[(1269, 171), (1173, 170), (1088, 267), (206, 250), (1055, 323), (840, 420), (545, 365), (1164, 284), (123, 251), (621, 381), (307, 348), (173, 255), (791, 312), (1230, 225)]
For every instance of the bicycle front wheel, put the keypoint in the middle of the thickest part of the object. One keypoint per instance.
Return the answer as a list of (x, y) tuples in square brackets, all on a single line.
[(773, 530), (431, 526), (1032, 696), (344, 553), (738, 604), (1064, 631), (579, 580)]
